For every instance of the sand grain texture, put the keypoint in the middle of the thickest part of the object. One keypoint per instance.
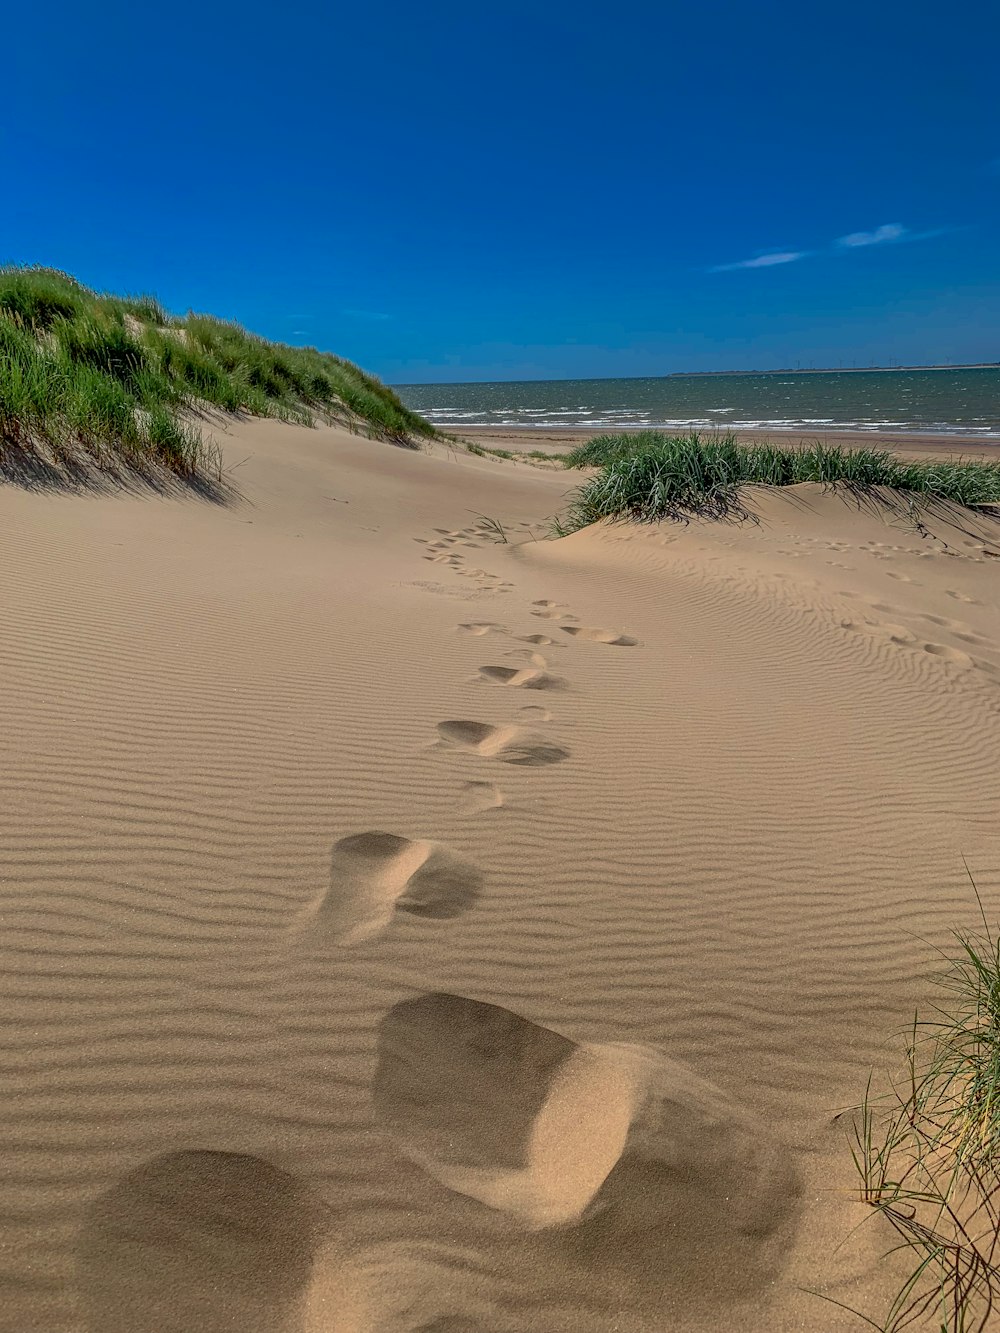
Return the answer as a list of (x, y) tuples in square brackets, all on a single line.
[(360, 977)]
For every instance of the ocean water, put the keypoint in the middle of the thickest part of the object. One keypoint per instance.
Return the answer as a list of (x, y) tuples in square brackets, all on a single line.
[(963, 402)]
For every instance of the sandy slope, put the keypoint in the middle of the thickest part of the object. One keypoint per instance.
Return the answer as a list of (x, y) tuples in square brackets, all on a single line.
[(404, 931)]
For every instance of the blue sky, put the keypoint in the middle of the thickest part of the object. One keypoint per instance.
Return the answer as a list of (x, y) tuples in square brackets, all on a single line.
[(448, 191)]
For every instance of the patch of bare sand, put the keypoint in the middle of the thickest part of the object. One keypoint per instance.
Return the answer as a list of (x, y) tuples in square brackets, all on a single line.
[(346, 992)]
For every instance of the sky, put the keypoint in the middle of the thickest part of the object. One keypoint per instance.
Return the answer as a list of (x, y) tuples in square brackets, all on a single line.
[(523, 190)]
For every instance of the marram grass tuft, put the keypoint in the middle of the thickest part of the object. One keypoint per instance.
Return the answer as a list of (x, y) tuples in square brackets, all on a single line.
[(650, 476)]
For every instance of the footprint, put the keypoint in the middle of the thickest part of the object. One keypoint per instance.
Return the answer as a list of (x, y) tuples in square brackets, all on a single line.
[(962, 597), (976, 640), (901, 578), (953, 655), (624, 1162), (476, 797), (212, 1241), (874, 630), (374, 875), (481, 627), (542, 640), (527, 678), (508, 744), (550, 610), (536, 712), (526, 655), (594, 635)]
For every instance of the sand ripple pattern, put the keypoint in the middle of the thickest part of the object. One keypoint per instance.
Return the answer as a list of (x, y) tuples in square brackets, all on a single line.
[(344, 984)]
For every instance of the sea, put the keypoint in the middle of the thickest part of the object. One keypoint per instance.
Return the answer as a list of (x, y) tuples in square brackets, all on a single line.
[(952, 401)]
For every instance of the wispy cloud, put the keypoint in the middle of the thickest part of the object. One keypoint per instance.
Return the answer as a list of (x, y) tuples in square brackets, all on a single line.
[(889, 231), (365, 314), (768, 260)]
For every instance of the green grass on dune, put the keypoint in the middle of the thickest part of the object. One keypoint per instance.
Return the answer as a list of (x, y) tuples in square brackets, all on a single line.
[(927, 1152), (110, 380), (650, 476)]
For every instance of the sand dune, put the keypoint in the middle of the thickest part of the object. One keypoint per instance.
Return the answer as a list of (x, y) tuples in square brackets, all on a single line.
[(486, 947)]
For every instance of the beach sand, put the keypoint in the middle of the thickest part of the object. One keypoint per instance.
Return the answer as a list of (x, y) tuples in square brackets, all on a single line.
[(410, 931)]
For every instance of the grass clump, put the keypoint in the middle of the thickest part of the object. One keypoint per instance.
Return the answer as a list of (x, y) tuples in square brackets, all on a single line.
[(928, 1154), (88, 376), (650, 476)]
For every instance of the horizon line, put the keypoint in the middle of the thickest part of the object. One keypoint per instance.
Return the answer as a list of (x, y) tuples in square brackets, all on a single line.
[(691, 374)]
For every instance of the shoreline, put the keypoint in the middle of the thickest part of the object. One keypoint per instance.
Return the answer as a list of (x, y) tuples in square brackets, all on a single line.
[(555, 440)]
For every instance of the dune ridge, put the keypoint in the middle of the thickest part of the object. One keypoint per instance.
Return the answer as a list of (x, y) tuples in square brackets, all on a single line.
[(732, 840)]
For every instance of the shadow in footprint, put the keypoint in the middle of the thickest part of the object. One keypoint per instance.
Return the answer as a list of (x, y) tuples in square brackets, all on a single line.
[(523, 678), (628, 1165), (374, 875), (198, 1240), (508, 744), (594, 635)]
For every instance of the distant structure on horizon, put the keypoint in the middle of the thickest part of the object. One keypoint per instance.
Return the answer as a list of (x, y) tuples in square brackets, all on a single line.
[(831, 370)]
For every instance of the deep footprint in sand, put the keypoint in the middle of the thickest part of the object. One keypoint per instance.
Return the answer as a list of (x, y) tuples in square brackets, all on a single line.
[(524, 678), (198, 1240), (542, 640), (510, 745), (594, 635), (626, 1163), (374, 875)]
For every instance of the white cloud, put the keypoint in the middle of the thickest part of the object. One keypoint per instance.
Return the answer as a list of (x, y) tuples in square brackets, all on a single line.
[(763, 261), (889, 231)]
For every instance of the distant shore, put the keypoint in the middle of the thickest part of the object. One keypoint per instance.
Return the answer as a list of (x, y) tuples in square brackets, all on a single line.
[(832, 370), (556, 440)]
